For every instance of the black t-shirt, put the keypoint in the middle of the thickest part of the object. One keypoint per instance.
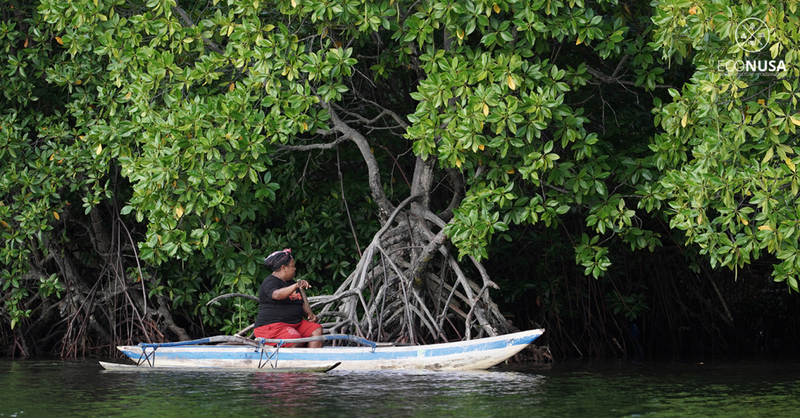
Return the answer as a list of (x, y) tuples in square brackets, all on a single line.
[(270, 311)]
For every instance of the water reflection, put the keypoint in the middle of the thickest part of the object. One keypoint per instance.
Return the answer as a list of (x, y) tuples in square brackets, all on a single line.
[(578, 389), (428, 393), (290, 393)]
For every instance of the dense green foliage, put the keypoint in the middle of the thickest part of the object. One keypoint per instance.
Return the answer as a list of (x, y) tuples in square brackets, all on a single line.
[(730, 143), (168, 146)]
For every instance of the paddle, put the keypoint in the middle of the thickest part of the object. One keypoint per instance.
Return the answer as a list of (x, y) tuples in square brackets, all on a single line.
[(305, 299)]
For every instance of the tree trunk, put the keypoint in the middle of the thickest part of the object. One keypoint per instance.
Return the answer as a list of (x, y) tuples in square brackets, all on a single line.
[(408, 286)]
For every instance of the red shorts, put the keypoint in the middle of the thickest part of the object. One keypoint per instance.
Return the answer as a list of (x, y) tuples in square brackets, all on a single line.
[(283, 331)]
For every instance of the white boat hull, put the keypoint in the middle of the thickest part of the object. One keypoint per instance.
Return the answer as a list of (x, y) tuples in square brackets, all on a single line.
[(477, 354)]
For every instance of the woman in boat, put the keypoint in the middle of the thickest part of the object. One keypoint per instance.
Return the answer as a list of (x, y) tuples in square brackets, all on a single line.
[(281, 306)]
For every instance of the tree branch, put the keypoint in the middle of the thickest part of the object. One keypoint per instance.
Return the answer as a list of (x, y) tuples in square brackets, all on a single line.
[(209, 43), (375, 185), (232, 295), (312, 147), (421, 263), (422, 181), (615, 80), (458, 194)]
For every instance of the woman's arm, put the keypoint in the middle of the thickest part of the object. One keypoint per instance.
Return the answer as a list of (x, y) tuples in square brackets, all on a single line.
[(285, 292)]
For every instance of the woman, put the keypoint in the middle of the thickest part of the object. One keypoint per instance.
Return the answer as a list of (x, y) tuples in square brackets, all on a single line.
[(281, 306)]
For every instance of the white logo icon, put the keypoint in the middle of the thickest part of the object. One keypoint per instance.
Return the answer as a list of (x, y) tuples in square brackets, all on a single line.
[(752, 35)]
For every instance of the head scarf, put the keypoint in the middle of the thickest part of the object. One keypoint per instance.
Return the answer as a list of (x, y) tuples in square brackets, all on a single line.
[(278, 259)]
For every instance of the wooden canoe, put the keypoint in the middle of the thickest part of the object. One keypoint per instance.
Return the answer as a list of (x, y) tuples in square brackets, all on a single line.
[(241, 353)]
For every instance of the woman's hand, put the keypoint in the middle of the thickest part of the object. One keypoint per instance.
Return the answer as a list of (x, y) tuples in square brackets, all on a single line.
[(303, 284), (313, 318)]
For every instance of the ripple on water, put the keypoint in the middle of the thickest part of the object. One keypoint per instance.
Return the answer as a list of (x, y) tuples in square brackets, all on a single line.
[(564, 389)]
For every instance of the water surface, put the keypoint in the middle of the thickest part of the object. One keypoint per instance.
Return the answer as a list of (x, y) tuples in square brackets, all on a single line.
[(746, 388)]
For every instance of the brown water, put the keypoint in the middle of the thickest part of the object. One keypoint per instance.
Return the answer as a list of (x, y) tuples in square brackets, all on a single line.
[(746, 388)]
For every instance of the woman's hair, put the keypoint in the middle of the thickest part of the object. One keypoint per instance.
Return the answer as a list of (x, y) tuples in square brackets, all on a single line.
[(278, 259)]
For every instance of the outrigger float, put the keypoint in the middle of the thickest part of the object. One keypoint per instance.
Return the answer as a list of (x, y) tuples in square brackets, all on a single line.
[(238, 353)]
